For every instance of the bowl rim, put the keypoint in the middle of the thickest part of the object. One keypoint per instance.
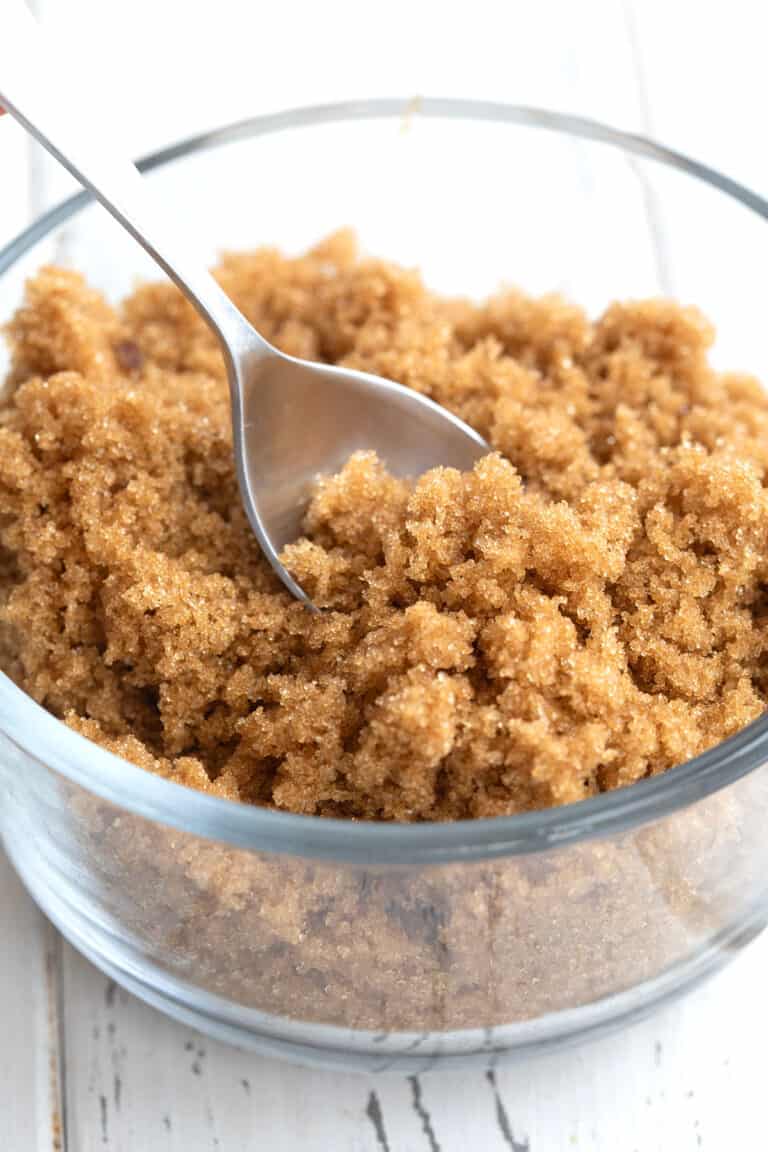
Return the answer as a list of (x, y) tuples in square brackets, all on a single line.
[(33, 731)]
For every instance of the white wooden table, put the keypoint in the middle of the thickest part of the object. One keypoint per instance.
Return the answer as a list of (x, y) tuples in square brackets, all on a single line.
[(84, 1066)]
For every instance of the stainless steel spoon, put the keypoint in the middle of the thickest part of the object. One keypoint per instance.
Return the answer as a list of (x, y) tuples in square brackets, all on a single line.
[(292, 420)]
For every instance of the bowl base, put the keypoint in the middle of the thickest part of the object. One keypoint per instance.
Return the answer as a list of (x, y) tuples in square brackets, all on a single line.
[(354, 1050)]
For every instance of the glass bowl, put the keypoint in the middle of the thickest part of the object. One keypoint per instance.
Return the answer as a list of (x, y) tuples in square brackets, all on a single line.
[(408, 946)]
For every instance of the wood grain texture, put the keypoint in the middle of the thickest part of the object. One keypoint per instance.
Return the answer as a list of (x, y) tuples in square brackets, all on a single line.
[(120, 1076), (31, 1104)]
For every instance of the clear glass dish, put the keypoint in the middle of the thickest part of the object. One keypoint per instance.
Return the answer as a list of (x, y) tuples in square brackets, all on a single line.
[(408, 946)]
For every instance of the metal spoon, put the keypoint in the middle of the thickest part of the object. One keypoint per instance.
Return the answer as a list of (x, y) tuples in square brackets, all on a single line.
[(292, 420)]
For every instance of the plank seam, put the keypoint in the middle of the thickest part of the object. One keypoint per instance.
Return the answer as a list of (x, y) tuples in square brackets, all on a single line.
[(650, 201)]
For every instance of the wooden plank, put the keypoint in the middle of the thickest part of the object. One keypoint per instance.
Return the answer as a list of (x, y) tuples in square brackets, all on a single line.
[(31, 1116), (136, 1076)]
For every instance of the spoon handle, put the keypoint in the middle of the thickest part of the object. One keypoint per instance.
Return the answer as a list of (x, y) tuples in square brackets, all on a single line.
[(37, 88)]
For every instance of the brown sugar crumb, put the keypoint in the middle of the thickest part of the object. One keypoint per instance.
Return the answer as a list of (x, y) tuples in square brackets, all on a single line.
[(584, 609)]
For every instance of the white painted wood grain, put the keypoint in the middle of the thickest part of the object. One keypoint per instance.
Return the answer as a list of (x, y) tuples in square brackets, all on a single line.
[(30, 1104), (690, 1077)]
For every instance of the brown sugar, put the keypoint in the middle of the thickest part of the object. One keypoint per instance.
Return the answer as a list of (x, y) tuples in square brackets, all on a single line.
[(583, 610)]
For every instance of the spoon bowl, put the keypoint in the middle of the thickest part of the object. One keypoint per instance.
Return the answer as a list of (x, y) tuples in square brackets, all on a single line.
[(292, 420)]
